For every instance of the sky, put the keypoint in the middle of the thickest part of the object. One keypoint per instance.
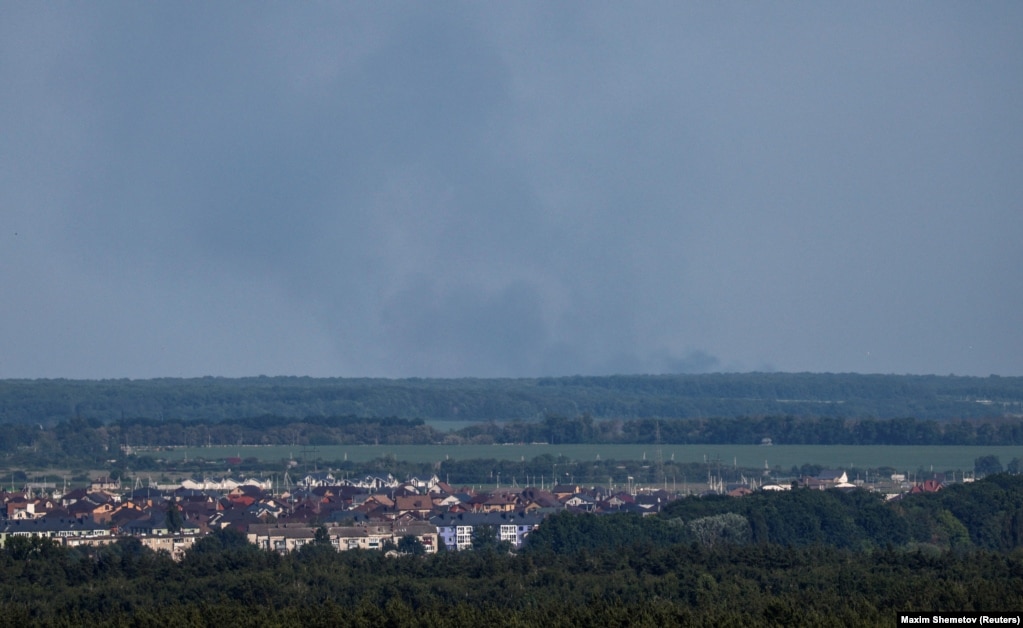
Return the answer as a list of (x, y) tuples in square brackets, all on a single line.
[(520, 189)]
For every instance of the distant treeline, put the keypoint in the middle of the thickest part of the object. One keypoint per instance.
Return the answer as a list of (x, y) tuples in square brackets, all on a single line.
[(579, 430), (84, 442), (787, 430), (213, 399)]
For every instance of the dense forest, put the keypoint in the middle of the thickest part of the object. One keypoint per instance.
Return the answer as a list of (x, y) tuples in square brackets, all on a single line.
[(803, 558), (47, 402)]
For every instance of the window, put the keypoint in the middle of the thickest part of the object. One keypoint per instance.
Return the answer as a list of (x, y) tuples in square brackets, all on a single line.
[(463, 537), (508, 534)]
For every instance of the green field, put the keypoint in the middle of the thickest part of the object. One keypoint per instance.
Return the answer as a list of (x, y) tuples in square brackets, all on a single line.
[(909, 458)]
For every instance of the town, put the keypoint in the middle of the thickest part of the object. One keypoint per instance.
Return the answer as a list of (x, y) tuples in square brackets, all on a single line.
[(372, 513)]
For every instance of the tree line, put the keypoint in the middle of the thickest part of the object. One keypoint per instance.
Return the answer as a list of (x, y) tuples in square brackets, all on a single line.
[(840, 395), (785, 429), (89, 442)]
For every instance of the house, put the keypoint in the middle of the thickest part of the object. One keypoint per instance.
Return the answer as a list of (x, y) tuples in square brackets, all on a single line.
[(500, 502), (580, 502), (475, 503), (373, 510), (374, 483), (263, 512), (322, 478), (247, 490), (441, 488), (563, 491), (446, 501), (827, 479), (405, 490), (125, 515), (45, 507), (72, 496), (834, 476), (241, 500), (346, 494), (927, 486), (538, 499), (21, 509), (379, 506), (102, 513), (615, 502), (306, 512), (740, 490), (235, 519), (426, 486), (158, 523), (150, 496), (418, 505), (105, 484)]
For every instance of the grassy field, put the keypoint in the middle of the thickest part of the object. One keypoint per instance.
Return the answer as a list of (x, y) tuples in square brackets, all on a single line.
[(751, 456)]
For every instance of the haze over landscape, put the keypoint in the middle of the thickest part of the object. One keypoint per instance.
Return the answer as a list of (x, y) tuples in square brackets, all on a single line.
[(449, 189)]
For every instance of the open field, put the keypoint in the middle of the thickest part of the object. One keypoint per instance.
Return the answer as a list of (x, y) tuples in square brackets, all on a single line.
[(903, 458)]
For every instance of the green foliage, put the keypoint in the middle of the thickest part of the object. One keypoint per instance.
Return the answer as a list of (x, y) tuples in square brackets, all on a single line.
[(639, 584), (841, 396), (58, 446), (322, 536), (411, 545), (987, 465), (569, 532), (85, 424), (727, 528), (485, 539), (701, 563), (175, 520), (804, 517)]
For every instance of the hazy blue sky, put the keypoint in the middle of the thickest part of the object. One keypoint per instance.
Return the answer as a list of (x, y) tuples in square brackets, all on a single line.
[(510, 189)]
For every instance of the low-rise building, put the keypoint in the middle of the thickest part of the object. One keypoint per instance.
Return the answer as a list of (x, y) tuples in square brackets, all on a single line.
[(51, 528), (455, 531)]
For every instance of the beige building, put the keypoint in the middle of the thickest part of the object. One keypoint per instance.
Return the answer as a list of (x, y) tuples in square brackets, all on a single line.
[(285, 538)]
